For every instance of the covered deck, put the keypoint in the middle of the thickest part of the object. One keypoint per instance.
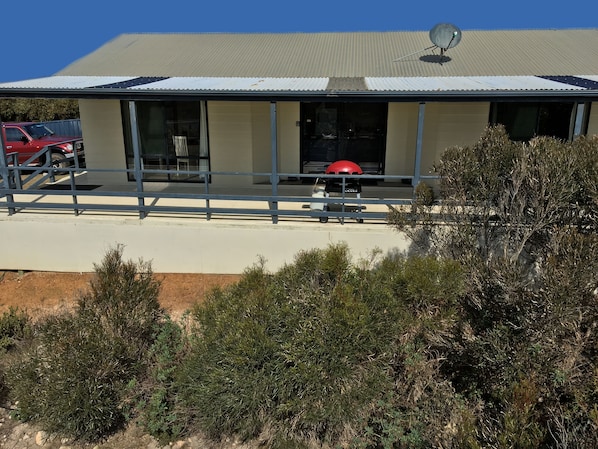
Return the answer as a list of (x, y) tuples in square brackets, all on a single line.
[(65, 222)]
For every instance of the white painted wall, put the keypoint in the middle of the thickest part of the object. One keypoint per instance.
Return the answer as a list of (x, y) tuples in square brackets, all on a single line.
[(179, 245), (261, 145), (231, 140), (451, 124), (593, 120), (289, 135), (101, 124), (401, 139)]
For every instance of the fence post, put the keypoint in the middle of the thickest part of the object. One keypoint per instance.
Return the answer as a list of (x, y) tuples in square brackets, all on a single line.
[(5, 173)]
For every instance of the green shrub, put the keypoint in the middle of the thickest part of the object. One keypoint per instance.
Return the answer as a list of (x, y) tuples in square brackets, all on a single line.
[(424, 194), (71, 383), (14, 326), (74, 380), (124, 296), (153, 401), (522, 221), (302, 355)]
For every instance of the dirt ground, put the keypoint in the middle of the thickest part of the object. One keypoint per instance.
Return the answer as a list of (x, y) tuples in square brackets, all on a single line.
[(43, 292)]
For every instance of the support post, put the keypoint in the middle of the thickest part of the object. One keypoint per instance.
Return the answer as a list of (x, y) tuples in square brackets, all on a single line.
[(418, 145), (137, 158), (579, 120), (274, 155)]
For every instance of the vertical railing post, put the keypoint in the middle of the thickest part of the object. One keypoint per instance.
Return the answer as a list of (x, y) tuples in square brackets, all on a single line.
[(344, 198), (15, 177), (74, 189), (137, 159), (207, 192), (274, 173)]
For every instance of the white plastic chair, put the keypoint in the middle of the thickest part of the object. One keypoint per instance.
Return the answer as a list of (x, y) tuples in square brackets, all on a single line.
[(181, 151)]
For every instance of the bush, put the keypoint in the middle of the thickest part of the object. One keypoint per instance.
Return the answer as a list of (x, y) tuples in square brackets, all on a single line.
[(14, 326), (153, 401), (503, 199), (424, 194), (73, 381), (521, 220), (304, 354)]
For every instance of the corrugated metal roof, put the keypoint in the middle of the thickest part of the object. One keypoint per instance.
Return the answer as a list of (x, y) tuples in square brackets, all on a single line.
[(65, 82), (238, 84), (343, 55), (391, 64), (194, 84), (472, 83)]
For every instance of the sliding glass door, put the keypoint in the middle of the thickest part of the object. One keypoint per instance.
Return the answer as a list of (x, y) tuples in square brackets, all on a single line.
[(335, 131), (172, 136)]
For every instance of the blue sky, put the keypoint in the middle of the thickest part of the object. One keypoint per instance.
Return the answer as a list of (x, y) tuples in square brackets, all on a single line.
[(44, 37)]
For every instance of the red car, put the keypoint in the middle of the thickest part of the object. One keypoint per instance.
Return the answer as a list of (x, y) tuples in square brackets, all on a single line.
[(28, 138)]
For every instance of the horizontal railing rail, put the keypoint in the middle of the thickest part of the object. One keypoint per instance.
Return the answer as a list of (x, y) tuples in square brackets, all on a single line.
[(203, 199)]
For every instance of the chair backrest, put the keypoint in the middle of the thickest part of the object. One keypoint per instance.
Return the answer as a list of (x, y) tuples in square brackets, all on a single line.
[(180, 146)]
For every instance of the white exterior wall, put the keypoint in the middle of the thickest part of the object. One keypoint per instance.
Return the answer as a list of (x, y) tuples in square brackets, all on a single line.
[(101, 124), (289, 137), (179, 245), (593, 120), (251, 132), (231, 140), (401, 139), (451, 124), (261, 146)]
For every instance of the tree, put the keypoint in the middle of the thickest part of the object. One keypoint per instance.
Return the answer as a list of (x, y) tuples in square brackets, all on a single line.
[(38, 109)]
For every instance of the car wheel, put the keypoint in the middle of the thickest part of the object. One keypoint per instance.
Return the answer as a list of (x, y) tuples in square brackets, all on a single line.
[(59, 161)]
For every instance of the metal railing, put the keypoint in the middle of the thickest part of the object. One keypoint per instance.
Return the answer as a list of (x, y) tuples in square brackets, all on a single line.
[(23, 189)]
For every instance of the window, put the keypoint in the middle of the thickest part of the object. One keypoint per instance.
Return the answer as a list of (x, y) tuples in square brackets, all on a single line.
[(172, 136), (523, 121), (13, 134), (335, 131)]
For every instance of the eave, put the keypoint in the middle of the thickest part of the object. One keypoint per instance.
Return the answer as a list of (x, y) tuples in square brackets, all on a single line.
[(474, 88)]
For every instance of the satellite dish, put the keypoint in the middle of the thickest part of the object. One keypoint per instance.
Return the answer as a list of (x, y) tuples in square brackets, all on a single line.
[(445, 36)]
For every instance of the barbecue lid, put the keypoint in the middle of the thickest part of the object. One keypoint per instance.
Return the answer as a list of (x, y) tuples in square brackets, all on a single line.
[(344, 167)]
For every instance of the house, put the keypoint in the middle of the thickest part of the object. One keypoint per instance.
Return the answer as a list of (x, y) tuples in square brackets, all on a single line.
[(186, 111)]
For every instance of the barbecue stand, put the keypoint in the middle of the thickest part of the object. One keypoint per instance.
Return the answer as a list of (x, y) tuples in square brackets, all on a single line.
[(333, 187)]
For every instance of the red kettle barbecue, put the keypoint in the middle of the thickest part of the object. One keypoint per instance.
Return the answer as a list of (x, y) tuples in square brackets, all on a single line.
[(344, 167), (335, 187)]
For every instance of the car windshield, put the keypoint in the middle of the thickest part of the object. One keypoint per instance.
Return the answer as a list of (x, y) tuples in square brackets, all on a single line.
[(36, 131)]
